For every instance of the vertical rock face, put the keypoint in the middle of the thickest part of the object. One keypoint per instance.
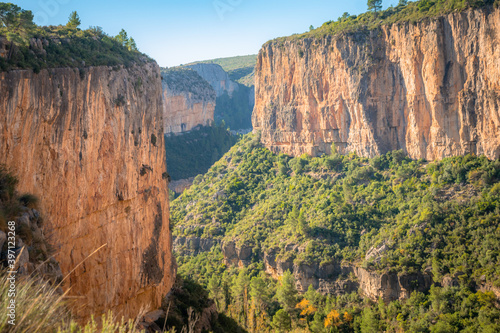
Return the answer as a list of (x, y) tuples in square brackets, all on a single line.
[(430, 88), (189, 101), (217, 77), (89, 143)]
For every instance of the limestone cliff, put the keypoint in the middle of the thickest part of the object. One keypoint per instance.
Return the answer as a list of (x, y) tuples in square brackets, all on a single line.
[(430, 88), (331, 278), (89, 143), (216, 77), (189, 100)]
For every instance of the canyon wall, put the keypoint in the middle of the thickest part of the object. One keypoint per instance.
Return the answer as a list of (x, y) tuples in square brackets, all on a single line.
[(89, 143), (216, 76), (189, 101), (430, 88)]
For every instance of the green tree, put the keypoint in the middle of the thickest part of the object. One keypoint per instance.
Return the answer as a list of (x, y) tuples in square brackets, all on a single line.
[(19, 24), (311, 27), (73, 20), (122, 37), (317, 325), (403, 2), (215, 291), (131, 45), (259, 292), (374, 5), (282, 321), (369, 321), (287, 293)]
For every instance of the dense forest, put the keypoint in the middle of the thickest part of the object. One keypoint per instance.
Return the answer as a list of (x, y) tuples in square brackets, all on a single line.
[(193, 153), (440, 217), (235, 110)]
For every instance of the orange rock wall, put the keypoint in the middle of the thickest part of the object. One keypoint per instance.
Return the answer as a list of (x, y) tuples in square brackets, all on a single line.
[(430, 88), (182, 114), (90, 145)]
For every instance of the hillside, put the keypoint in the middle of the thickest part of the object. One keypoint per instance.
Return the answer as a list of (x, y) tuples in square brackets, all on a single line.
[(240, 68), (387, 225)]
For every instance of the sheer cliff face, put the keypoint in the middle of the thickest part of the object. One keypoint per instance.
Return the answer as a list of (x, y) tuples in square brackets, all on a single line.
[(189, 100), (183, 111), (89, 143), (217, 77), (431, 89)]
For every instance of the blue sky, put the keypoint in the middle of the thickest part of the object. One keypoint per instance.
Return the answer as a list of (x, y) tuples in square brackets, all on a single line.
[(175, 32)]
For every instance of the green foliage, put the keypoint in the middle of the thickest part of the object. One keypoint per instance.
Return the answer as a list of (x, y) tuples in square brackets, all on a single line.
[(181, 79), (73, 20), (240, 68), (193, 153), (235, 110), (286, 292), (60, 46), (374, 5), (282, 321), (441, 216), (405, 12)]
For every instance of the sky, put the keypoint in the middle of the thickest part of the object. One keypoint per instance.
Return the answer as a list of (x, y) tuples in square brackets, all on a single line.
[(175, 32)]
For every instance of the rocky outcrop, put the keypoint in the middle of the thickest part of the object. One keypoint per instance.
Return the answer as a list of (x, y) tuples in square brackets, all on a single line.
[(179, 186), (193, 245), (430, 88), (216, 76), (189, 101), (89, 143), (330, 278)]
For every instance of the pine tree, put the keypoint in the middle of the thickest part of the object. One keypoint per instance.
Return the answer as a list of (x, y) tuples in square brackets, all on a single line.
[(131, 45), (287, 293), (259, 292), (122, 37), (374, 5), (73, 20), (19, 24), (282, 321)]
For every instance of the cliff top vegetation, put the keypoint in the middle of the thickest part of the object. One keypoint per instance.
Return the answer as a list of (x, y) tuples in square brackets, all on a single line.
[(404, 12), (181, 79), (240, 68), (23, 44)]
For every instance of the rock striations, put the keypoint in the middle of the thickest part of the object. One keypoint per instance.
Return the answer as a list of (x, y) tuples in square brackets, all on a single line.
[(89, 142), (189, 101), (216, 76), (431, 88)]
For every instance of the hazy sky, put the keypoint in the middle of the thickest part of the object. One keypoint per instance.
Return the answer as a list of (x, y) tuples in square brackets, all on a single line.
[(180, 31)]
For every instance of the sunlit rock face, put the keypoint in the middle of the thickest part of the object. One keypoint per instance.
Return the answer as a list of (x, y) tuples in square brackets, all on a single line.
[(89, 143), (431, 88)]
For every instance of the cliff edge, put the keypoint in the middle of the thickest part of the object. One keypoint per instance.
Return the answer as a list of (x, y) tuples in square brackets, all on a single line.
[(430, 88)]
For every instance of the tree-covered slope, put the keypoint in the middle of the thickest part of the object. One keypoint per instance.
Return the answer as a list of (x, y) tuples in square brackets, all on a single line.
[(443, 214), (440, 217), (193, 153)]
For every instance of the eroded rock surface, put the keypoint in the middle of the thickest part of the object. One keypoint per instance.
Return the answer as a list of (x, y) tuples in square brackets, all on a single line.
[(431, 88), (89, 143)]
